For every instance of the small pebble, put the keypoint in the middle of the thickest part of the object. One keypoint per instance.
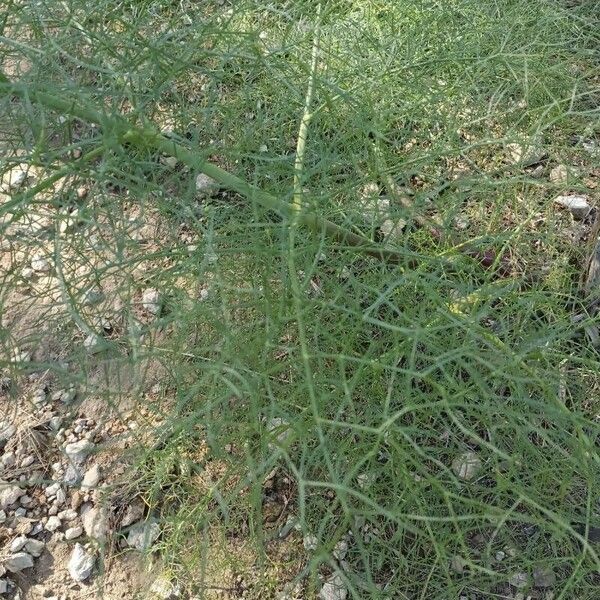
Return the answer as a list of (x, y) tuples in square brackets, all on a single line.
[(40, 264), (18, 562), (17, 544), (466, 466), (577, 205), (73, 532), (27, 461), (53, 523), (205, 185), (34, 547)]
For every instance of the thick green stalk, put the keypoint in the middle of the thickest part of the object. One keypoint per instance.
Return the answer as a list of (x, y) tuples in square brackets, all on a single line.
[(150, 137)]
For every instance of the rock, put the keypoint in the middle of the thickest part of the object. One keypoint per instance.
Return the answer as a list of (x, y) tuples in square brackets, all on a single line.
[(14, 179), (91, 478), (66, 396), (72, 476), (93, 343), (278, 428), (519, 580), (39, 397), (134, 512), (9, 459), (3, 586), (93, 297), (17, 544), (205, 185), (34, 547), (9, 494), (333, 589), (500, 555), (7, 430), (53, 523), (27, 461), (310, 542), (76, 499), (164, 589), (20, 356), (81, 563), (68, 514), (592, 147), (142, 535), (61, 497), (27, 273), (40, 264), (340, 550), (78, 451), (151, 301), (2, 516), (392, 230), (18, 562), (559, 175), (52, 489), (466, 466), (95, 523), (543, 577), (458, 564), (526, 155), (25, 500), (577, 205), (73, 532)]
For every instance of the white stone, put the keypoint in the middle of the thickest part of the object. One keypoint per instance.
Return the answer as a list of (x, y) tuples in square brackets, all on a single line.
[(51, 490), (12, 180), (280, 427), (91, 478), (333, 589), (3, 586), (95, 523), (164, 589), (9, 494), (68, 515), (72, 475), (466, 466), (93, 297), (93, 343), (40, 264), (392, 230), (205, 185), (27, 461), (134, 512), (53, 523), (61, 496), (39, 397), (142, 535), (7, 430), (73, 532), (519, 580), (151, 300), (17, 544), (9, 459), (310, 542), (81, 563), (559, 175), (18, 562), (34, 547), (577, 205), (78, 451)]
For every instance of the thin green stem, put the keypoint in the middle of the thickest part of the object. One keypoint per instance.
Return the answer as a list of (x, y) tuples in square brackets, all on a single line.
[(150, 138)]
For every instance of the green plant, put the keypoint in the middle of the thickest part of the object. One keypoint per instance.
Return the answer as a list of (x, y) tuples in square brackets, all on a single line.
[(369, 387)]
